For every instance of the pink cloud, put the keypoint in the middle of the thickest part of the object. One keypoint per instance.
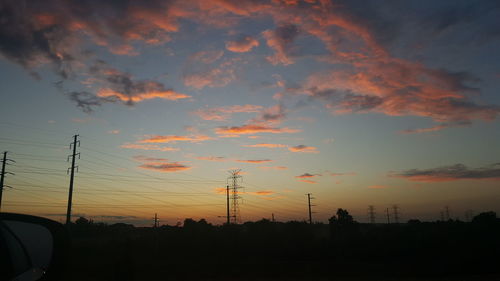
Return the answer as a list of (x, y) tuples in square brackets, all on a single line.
[(258, 161), (303, 148), (148, 147), (267, 145), (160, 164), (212, 158), (253, 129), (174, 138), (274, 168), (225, 112), (242, 45)]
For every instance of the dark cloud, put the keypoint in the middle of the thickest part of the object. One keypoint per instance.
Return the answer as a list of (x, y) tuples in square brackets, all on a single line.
[(281, 39), (307, 175), (26, 42), (87, 101), (116, 86), (451, 173)]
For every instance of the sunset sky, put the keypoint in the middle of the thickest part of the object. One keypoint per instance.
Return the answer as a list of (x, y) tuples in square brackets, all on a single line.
[(357, 102)]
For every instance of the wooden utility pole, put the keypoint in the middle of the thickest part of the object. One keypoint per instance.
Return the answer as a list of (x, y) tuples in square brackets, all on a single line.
[(71, 179)]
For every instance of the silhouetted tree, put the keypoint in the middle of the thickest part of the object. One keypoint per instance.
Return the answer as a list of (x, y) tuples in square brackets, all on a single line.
[(485, 218), (82, 221)]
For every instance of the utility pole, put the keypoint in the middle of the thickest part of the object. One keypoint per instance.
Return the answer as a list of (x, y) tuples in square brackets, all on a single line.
[(442, 215), (272, 217), (387, 214), (395, 209), (228, 216), (309, 205), (233, 179), (2, 175), (371, 213), (157, 221), (71, 179)]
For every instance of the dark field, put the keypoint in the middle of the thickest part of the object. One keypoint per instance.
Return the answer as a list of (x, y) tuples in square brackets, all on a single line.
[(264, 250)]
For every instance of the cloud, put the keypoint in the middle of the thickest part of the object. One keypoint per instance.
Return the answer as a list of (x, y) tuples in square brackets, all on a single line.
[(307, 175), (450, 173), (87, 101), (224, 113), (160, 164), (435, 128), (208, 69), (113, 132), (308, 181), (253, 129), (267, 145), (274, 168), (262, 192), (212, 158), (342, 174), (174, 138), (243, 44), (148, 147), (258, 161), (272, 115), (220, 190), (303, 148), (117, 86), (280, 40)]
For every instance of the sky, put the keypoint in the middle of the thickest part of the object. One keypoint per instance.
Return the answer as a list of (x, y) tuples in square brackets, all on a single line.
[(359, 103)]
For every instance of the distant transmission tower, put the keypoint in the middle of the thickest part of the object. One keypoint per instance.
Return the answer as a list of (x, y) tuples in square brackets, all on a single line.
[(447, 212), (156, 221), (395, 211), (233, 180), (371, 213)]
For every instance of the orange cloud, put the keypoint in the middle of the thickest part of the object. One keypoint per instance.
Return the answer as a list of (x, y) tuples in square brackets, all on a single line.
[(274, 168), (160, 164), (308, 181), (253, 129), (225, 112), (174, 138), (137, 97), (268, 145), (114, 132), (262, 192), (255, 161), (242, 45), (212, 158), (148, 147), (220, 190), (165, 167), (303, 148)]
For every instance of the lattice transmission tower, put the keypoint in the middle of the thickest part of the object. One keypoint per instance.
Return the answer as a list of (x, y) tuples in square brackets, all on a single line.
[(233, 182)]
